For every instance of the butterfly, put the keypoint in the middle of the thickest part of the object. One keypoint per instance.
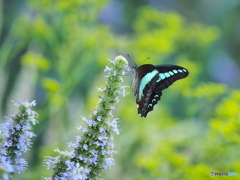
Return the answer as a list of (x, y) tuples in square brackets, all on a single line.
[(150, 80)]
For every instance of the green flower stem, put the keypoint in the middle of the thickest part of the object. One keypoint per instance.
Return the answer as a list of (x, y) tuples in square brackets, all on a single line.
[(94, 149)]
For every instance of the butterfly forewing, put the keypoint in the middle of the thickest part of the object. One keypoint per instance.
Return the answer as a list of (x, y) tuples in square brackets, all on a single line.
[(168, 74), (151, 80)]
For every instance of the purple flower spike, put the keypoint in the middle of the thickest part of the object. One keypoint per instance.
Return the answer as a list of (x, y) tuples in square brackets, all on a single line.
[(93, 150), (16, 137)]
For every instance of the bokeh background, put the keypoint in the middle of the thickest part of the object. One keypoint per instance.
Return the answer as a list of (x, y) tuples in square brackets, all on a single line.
[(55, 51)]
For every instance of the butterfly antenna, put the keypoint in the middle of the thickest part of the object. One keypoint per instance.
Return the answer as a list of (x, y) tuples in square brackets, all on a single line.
[(135, 65), (144, 60)]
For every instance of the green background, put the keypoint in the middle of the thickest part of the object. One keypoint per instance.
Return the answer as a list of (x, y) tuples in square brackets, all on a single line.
[(55, 51)]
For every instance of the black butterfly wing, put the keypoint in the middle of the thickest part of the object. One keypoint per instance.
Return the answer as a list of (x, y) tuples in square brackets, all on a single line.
[(151, 80), (168, 74), (148, 103), (149, 97)]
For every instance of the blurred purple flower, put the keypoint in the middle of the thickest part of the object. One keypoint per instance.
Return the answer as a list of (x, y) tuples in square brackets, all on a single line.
[(16, 137)]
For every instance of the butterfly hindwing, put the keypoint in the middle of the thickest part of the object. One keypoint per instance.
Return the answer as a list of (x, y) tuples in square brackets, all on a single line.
[(148, 106), (148, 97), (151, 80)]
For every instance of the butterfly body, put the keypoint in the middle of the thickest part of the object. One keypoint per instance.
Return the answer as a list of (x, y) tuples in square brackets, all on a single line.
[(149, 82)]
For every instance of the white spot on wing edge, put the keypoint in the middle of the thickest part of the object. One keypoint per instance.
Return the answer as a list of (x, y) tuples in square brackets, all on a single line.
[(150, 105)]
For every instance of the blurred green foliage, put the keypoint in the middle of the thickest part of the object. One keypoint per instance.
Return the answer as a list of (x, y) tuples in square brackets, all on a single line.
[(55, 52)]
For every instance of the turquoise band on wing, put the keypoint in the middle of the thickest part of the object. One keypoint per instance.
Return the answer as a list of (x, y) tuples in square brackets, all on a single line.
[(145, 80)]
